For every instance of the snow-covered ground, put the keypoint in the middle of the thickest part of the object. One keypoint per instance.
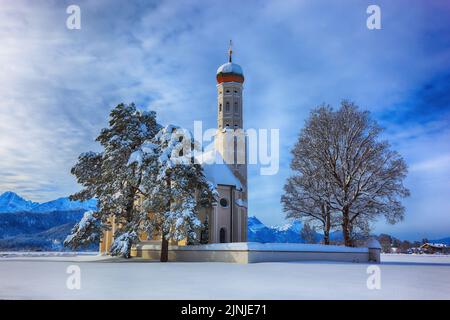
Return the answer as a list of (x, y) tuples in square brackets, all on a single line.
[(402, 277), (47, 254)]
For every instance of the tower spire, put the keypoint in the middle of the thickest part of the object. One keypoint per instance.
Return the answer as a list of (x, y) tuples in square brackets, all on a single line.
[(230, 51)]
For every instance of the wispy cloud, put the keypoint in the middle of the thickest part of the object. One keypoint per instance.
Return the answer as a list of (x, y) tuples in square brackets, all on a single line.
[(440, 163)]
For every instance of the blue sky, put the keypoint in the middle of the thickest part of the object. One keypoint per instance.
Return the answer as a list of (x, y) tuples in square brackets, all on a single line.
[(58, 85)]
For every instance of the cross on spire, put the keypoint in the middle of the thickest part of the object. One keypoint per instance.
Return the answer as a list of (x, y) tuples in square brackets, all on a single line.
[(230, 51)]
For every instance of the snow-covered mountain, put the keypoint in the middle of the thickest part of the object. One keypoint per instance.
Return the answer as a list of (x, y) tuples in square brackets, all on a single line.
[(11, 202), (28, 225), (290, 232), (64, 204)]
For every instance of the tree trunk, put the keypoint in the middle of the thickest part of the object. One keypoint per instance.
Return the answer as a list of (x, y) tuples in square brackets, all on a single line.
[(346, 227), (164, 249), (130, 207), (164, 241), (326, 237), (326, 231)]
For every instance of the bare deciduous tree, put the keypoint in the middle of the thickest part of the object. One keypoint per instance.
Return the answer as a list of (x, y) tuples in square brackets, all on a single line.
[(340, 163), (306, 199), (308, 233)]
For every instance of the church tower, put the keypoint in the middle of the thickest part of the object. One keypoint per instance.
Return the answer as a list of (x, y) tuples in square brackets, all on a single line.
[(230, 140), (228, 219)]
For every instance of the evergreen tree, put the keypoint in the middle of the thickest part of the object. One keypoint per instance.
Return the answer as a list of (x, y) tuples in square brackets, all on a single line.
[(109, 177), (174, 187), (85, 232)]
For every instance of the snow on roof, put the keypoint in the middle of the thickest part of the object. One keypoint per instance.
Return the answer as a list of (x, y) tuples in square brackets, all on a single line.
[(435, 245), (216, 170), (230, 67)]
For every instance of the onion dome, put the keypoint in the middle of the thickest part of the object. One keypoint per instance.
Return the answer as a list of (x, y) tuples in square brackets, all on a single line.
[(230, 72)]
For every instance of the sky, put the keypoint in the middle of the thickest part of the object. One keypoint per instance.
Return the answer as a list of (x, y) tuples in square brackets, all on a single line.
[(57, 85)]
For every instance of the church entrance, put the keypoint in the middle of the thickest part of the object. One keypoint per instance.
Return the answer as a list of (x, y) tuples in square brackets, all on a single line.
[(223, 235)]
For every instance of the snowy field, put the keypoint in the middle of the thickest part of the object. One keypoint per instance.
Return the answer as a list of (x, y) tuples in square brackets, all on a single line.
[(43, 277)]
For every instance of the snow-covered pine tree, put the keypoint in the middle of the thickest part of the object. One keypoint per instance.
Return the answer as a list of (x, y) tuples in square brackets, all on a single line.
[(174, 187), (109, 177), (122, 243), (85, 232)]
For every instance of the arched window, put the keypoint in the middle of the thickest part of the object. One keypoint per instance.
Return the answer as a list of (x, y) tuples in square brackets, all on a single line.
[(227, 107), (236, 108), (220, 107), (223, 235)]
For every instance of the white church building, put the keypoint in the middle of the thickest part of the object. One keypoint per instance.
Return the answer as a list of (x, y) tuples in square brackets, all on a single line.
[(225, 167)]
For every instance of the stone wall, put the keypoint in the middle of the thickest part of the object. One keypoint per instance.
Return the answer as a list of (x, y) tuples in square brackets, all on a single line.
[(257, 252)]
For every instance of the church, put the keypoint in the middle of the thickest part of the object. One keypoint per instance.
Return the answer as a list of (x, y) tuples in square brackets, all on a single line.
[(224, 166)]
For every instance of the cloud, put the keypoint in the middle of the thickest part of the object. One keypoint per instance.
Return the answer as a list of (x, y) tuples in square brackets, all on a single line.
[(440, 163)]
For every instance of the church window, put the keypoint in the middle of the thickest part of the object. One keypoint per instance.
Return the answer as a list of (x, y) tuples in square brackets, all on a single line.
[(227, 107), (223, 202), (223, 235)]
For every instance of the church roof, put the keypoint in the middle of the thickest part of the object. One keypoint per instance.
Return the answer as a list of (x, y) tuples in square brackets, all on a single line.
[(216, 170), (230, 72), (230, 67)]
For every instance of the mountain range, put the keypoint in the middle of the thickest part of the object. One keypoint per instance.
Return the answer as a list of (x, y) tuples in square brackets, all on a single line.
[(34, 226), (290, 232), (11, 202)]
